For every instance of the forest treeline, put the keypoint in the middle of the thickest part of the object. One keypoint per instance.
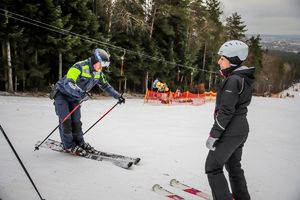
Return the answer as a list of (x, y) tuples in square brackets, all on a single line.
[(173, 40)]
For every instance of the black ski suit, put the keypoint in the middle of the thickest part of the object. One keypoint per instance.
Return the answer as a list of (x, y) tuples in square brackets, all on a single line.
[(231, 127)]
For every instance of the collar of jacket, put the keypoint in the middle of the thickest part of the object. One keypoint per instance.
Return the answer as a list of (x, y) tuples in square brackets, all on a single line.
[(226, 72)]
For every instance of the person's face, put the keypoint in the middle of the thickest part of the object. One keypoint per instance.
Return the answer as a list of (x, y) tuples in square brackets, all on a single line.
[(97, 67), (223, 63)]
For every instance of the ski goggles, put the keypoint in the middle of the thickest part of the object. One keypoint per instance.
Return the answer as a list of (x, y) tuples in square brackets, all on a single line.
[(103, 63)]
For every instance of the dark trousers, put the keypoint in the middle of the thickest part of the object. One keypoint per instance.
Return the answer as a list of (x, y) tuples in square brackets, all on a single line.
[(70, 131), (229, 153)]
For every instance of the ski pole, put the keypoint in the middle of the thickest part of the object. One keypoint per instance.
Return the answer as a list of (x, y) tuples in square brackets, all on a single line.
[(101, 118), (21, 163), (66, 117)]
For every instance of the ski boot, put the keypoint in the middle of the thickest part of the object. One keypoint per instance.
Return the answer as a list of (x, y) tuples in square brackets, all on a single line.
[(77, 150), (88, 148)]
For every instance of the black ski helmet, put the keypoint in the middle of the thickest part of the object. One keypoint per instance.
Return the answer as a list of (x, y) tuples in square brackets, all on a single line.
[(101, 56)]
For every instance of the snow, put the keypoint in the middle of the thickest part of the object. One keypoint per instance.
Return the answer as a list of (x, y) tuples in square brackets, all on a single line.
[(169, 139)]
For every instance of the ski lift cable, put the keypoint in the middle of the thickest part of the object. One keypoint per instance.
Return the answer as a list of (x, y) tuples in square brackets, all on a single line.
[(88, 39), (66, 32)]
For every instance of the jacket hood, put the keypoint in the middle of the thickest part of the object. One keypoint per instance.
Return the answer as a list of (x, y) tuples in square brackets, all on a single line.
[(246, 72)]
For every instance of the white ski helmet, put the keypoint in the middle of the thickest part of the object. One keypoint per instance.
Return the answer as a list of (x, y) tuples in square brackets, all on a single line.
[(235, 51)]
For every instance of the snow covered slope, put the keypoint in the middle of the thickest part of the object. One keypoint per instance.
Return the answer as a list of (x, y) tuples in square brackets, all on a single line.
[(169, 139)]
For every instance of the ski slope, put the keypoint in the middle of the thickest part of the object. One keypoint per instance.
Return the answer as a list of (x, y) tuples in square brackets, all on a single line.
[(169, 139)]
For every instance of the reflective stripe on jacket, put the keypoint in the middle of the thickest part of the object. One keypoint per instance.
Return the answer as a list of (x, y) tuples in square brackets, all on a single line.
[(81, 78)]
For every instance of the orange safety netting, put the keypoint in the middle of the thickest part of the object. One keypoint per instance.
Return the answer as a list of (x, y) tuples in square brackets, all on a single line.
[(178, 97)]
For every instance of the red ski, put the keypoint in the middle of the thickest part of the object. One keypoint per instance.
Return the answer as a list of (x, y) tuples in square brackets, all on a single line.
[(162, 191), (188, 189)]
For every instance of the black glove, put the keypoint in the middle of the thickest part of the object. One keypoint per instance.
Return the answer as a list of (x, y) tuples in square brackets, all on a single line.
[(121, 100)]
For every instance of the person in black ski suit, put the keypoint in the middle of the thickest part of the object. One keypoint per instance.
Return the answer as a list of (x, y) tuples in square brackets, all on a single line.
[(72, 89), (230, 129)]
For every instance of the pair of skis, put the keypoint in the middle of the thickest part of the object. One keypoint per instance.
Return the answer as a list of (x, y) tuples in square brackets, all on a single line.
[(177, 184), (119, 160)]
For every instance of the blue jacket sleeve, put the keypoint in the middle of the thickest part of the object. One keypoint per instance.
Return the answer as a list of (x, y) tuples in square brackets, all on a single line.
[(107, 88)]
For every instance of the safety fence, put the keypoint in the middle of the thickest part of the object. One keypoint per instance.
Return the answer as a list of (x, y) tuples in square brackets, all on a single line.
[(178, 98)]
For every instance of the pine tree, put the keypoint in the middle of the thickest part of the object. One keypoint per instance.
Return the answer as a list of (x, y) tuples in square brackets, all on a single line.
[(10, 33), (235, 27), (255, 53), (197, 26), (76, 23), (213, 37), (34, 67), (198, 37), (171, 35), (128, 30), (59, 44), (104, 10), (214, 10)]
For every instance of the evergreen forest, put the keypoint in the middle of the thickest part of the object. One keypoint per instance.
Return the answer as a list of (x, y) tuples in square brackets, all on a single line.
[(175, 41)]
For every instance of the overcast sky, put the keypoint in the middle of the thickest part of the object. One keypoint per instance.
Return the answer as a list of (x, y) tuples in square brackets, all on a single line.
[(266, 16)]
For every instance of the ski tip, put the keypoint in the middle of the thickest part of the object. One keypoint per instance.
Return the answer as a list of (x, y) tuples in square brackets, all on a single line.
[(129, 165), (173, 181), (137, 160), (155, 187), (126, 165)]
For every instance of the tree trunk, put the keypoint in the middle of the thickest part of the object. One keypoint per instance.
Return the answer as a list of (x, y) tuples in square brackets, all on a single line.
[(16, 76), (110, 16), (36, 57), (120, 84), (146, 81), (16, 83), (152, 22), (4, 62), (209, 82), (203, 63), (59, 65), (204, 57), (22, 53), (9, 67), (125, 84), (95, 7), (36, 81)]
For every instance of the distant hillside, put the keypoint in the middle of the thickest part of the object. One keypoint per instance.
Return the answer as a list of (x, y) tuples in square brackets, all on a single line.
[(288, 56), (287, 43)]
